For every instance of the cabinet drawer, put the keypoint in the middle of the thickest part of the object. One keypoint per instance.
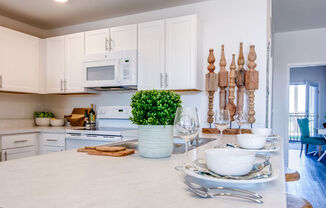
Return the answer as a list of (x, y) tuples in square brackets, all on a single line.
[(19, 140), (53, 140), (17, 153), (49, 149)]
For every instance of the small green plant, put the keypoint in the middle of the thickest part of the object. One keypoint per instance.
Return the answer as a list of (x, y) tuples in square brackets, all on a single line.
[(43, 115), (154, 107)]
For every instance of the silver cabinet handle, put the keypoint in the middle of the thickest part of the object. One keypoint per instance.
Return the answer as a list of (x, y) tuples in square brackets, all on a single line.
[(106, 44), (52, 140), (161, 80), (61, 85), (0, 156), (110, 43), (166, 80), (0, 81), (6, 156), (20, 141), (65, 84)]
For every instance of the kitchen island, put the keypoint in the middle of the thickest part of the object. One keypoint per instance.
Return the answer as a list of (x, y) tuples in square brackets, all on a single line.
[(72, 179)]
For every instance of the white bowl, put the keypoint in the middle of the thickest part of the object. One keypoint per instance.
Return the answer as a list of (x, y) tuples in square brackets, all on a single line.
[(234, 162), (42, 121), (251, 141), (262, 131), (57, 122)]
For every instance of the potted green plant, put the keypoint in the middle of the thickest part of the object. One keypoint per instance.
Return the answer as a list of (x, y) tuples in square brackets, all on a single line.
[(153, 111), (43, 118)]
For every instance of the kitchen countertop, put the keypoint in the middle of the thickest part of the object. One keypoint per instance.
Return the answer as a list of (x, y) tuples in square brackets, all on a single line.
[(77, 180), (33, 129)]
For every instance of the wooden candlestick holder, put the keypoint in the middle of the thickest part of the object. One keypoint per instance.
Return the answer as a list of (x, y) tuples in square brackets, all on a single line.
[(223, 80), (251, 83), (211, 85), (240, 80), (231, 106)]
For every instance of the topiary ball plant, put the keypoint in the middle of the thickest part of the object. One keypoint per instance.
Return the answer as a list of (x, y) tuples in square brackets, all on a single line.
[(154, 107)]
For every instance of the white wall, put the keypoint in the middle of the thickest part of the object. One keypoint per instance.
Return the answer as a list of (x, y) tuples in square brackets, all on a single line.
[(297, 48), (315, 74), (219, 22), (18, 110)]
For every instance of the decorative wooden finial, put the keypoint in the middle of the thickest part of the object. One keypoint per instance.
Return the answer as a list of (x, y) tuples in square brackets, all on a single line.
[(240, 79), (222, 79), (231, 106), (211, 85), (251, 83), (211, 61)]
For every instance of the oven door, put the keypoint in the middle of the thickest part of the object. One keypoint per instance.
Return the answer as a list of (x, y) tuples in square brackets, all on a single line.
[(74, 141), (101, 71)]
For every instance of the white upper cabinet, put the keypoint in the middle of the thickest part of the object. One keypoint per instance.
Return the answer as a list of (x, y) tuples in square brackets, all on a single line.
[(181, 56), (167, 57), (55, 64), (97, 41), (123, 38), (19, 61), (151, 52), (74, 52)]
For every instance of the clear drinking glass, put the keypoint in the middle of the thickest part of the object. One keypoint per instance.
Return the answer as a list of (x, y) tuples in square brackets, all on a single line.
[(186, 124), (222, 120), (241, 118)]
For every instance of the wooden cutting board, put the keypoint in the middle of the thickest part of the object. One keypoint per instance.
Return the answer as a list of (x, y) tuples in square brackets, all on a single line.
[(93, 151), (114, 154)]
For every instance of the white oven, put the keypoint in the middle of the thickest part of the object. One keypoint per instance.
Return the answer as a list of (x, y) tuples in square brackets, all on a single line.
[(110, 69)]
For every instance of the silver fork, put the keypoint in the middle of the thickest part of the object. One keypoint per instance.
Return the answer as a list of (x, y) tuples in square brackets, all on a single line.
[(198, 186), (205, 194)]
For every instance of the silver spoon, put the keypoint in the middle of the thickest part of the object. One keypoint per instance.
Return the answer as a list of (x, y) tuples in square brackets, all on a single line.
[(204, 194), (198, 186)]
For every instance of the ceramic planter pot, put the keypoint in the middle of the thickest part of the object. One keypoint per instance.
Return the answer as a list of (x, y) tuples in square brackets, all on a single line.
[(155, 141)]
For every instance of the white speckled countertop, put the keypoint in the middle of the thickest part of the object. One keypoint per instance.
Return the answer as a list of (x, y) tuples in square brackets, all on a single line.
[(77, 180), (36, 129)]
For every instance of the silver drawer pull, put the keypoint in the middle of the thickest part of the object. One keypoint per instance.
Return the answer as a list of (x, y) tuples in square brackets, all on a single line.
[(19, 141), (51, 140)]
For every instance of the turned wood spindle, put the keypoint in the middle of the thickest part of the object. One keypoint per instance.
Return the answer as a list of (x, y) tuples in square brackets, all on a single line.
[(222, 80), (251, 83), (240, 80), (211, 85), (232, 75)]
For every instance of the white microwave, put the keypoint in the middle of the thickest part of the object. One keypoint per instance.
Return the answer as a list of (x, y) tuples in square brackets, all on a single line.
[(116, 69)]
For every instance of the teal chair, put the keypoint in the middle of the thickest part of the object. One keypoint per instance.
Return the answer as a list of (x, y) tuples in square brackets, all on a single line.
[(306, 138)]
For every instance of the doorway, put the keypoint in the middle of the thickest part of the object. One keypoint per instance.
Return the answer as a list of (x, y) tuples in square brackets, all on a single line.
[(303, 103)]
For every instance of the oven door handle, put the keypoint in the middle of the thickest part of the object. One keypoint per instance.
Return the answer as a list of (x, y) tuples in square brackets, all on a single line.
[(94, 138)]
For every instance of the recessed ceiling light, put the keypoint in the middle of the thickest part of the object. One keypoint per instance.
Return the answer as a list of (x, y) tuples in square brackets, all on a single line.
[(61, 1)]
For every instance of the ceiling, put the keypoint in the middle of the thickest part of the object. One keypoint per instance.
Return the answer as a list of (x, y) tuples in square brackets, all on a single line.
[(290, 15), (48, 14)]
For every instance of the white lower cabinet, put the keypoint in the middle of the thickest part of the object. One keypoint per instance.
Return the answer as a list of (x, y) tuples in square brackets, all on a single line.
[(51, 142), (18, 146), (16, 153)]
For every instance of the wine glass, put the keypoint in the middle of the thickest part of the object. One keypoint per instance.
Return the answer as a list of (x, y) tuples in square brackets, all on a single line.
[(221, 120), (186, 124), (241, 118)]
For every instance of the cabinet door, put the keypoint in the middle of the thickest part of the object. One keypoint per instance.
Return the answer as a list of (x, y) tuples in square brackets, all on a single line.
[(123, 38), (181, 57), (97, 41), (55, 65), (19, 61), (16, 153), (47, 139), (50, 149), (151, 44), (74, 52)]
